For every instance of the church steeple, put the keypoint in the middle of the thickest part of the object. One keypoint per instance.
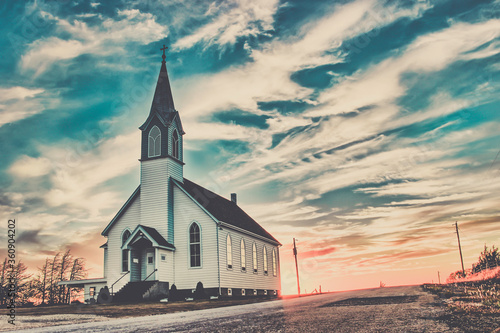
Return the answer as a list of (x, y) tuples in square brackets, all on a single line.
[(162, 100), (162, 131)]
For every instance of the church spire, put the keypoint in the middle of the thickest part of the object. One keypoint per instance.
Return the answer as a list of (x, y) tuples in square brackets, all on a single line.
[(162, 100)]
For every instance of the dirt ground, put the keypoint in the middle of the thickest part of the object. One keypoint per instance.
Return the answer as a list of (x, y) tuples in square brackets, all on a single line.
[(429, 308), (33, 317), (394, 309)]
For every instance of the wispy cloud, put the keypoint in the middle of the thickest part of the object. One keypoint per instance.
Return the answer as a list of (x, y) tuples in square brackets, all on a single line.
[(268, 76), (432, 52), (230, 20), (107, 38), (367, 90), (75, 172), (18, 103)]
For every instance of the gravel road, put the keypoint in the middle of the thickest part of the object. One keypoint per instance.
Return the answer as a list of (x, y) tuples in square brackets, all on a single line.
[(395, 309)]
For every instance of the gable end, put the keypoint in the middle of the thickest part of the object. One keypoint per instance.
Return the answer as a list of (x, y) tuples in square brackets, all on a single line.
[(122, 210)]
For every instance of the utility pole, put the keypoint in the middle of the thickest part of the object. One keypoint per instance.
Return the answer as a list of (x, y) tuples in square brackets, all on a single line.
[(460, 249), (296, 266)]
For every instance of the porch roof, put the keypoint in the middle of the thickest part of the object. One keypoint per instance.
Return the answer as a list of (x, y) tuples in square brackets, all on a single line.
[(150, 233), (81, 283)]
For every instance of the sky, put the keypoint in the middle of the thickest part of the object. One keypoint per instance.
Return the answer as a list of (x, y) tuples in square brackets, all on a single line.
[(365, 129)]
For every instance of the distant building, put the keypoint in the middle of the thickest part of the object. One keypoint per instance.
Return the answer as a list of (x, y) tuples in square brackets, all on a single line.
[(174, 231)]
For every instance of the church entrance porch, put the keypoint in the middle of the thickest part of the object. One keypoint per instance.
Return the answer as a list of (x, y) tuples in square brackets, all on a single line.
[(143, 263), (146, 249)]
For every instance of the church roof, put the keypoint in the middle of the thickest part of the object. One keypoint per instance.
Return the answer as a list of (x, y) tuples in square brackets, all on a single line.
[(223, 209), (220, 208)]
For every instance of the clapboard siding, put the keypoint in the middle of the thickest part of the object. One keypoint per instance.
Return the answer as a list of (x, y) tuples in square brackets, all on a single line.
[(186, 212), (154, 194), (235, 277), (97, 287), (175, 169), (128, 220), (166, 268)]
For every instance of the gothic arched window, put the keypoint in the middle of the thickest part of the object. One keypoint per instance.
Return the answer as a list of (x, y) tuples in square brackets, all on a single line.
[(254, 257), (154, 142), (229, 252), (195, 245), (125, 236), (175, 144), (243, 256), (264, 252)]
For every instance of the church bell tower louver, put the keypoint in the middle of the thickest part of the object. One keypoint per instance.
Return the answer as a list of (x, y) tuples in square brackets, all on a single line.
[(161, 157)]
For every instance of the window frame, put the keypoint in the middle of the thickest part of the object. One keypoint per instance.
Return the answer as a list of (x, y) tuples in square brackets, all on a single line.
[(254, 258), (265, 262), (154, 140), (229, 252), (190, 243), (175, 144), (243, 254), (125, 252)]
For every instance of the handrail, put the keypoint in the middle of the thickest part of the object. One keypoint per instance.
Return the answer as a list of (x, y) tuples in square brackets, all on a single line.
[(121, 277), (147, 277)]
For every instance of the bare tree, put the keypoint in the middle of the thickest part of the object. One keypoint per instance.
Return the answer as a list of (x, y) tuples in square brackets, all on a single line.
[(78, 272), (44, 283), (39, 284), (54, 267), (64, 267)]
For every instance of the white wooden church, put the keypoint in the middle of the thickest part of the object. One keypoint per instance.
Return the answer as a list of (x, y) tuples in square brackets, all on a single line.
[(174, 231)]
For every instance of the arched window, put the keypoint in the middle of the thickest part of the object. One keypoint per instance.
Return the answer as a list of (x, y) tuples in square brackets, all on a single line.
[(243, 256), (125, 236), (264, 252), (195, 245), (275, 270), (229, 252), (254, 257), (175, 144), (154, 142)]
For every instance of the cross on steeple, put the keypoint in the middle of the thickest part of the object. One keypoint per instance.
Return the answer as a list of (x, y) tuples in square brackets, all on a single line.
[(163, 49)]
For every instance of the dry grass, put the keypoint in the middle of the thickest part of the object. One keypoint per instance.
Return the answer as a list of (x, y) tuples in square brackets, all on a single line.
[(475, 305)]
